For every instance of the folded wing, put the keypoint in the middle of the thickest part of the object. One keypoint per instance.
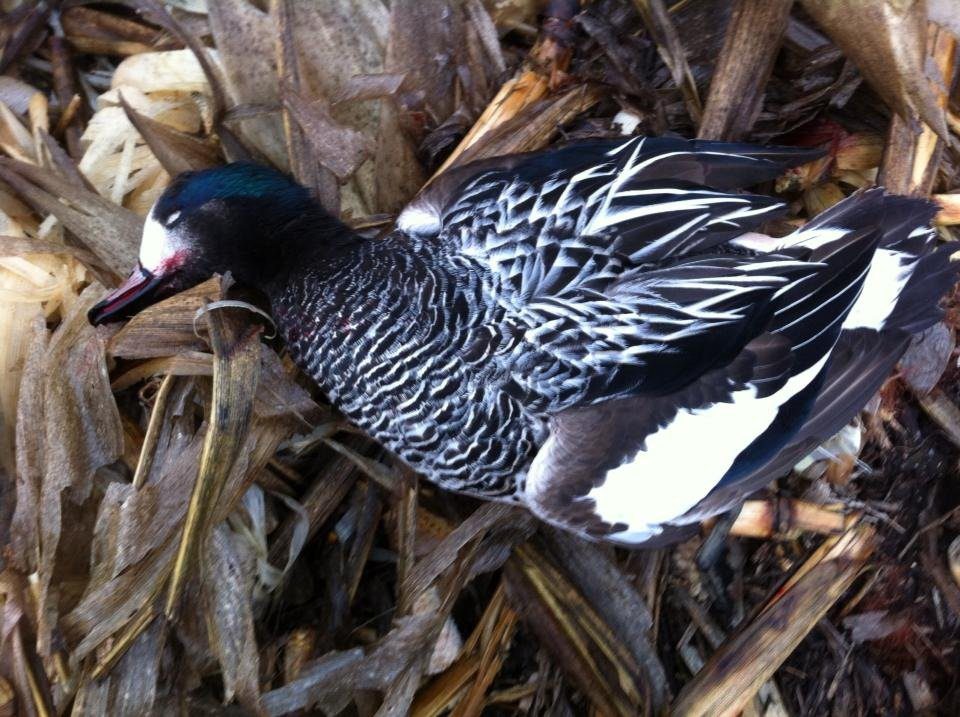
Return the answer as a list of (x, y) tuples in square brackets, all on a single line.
[(581, 214)]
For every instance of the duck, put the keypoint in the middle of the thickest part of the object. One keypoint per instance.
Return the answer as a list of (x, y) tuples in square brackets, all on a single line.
[(600, 332)]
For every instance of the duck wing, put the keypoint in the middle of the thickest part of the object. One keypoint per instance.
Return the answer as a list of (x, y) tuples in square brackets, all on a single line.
[(860, 362), (623, 469), (644, 470), (650, 334), (557, 219)]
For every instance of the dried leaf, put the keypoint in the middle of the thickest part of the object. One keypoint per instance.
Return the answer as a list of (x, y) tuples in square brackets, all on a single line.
[(25, 528), (108, 231), (925, 361), (887, 40), (445, 554), (335, 42), (336, 146), (245, 37), (872, 625), (167, 327), (424, 38), (176, 71), (227, 591), (81, 433), (132, 687), (236, 371), (368, 87), (33, 285), (177, 152)]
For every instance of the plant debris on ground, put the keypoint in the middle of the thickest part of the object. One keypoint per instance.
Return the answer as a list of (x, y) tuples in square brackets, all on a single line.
[(186, 527)]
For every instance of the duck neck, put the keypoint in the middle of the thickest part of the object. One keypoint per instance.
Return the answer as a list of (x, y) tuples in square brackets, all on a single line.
[(311, 239)]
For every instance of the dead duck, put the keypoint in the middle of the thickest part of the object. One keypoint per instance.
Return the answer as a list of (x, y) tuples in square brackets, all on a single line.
[(595, 331)]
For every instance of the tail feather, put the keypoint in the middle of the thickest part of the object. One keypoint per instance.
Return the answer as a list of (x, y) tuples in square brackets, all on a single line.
[(918, 305), (909, 274)]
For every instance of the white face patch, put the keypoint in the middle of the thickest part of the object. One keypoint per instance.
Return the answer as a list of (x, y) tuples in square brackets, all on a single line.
[(159, 245)]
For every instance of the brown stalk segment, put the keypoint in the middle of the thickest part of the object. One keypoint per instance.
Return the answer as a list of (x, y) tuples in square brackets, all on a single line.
[(743, 68), (434, 699), (949, 214), (94, 31), (767, 518), (406, 539), (236, 370), (579, 640), (532, 126), (303, 163), (20, 246), (465, 683), (153, 432), (516, 94), (68, 115), (298, 651), (65, 85), (548, 60), (657, 19), (499, 635), (911, 160), (734, 674), (943, 412)]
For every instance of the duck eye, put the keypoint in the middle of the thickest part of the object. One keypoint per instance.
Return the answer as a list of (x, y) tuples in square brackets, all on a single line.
[(172, 219)]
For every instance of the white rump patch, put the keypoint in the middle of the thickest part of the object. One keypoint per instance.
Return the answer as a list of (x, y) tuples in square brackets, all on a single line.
[(418, 220), (684, 461), (626, 122)]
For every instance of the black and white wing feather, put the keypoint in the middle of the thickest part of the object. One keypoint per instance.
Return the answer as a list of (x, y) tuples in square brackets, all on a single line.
[(651, 333), (626, 468), (582, 214)]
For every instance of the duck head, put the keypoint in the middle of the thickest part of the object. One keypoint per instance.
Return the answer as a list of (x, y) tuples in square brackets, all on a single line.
[(243, 218)]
